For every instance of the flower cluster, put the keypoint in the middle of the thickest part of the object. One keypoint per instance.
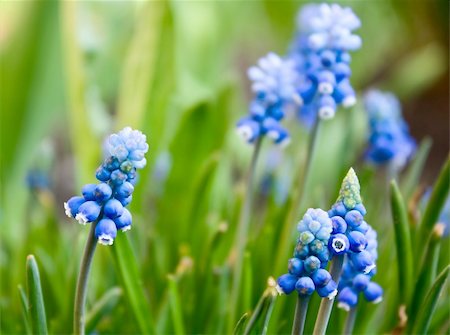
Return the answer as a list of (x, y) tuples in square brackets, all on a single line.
[(389, 141), (274, 81), (354, 282), (105, 202), (321, 53), (307, 268)]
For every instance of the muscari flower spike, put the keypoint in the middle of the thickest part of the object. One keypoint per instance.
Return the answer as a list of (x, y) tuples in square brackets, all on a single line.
[(321, 53), (273, 83), (307, 271), (105, 203), (389, 141)]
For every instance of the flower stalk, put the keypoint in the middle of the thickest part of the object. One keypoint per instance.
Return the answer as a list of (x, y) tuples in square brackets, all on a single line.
[(350, 321), (82, 282), (301, 308)]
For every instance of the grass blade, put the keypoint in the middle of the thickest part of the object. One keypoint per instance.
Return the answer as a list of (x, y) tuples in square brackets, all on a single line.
[(427, 309), (102, 307), (240, 324), (403, 243), (24, 303), (175, 306), (35, 298), (128, 269), (436, 202), (415, 169)]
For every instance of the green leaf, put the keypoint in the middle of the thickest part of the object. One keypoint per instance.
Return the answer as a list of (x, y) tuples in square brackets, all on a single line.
[(403, 243), (35, 298), (102, 307), (428, 269), (436, 202), (415, 169), (176, 306), (127, 266), (427, 309), (240, 324), (25, 314)]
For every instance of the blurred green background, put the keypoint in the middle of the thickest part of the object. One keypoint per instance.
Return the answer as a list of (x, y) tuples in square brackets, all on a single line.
[(73, 72)]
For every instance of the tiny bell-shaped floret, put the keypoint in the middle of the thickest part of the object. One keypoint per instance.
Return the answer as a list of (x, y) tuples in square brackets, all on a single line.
[(286, 283), (105, 231), (373, 293), (305, 286), (360, 282), (354, 218), (72, 205), (311, 264), (103, 174), (249, 129), (358, 241), (321, 277), (338, 244), (88, 212), (118, 177), (113, 208), (124, 190), (123, 222), (362, 261), (347, 298), (102, 192), (339, 225), (125, 201), (295, 266), (329, 290), (88, 191)]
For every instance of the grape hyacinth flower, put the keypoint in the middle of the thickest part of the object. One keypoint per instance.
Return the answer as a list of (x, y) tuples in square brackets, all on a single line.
[(321, 53), (307, 268), (274, 85), (105, 203), (389, 141)]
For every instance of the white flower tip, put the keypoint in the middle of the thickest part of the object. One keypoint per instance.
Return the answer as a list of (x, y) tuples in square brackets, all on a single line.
[(369, 268), (284, 143), (67, 209), (349, 101), (325, 88), (279, 290), (338, 245), (377, 300), (297, 99), (126, 228), (245, 131), (344, 306), (273, 134), (332, 295), (326, 113), (105, 239), (81, 218)]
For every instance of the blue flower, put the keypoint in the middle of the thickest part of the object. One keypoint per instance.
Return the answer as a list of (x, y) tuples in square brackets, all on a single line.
[(104, 203), (389, 141), (311, 255), (274, 85), (321, 53)]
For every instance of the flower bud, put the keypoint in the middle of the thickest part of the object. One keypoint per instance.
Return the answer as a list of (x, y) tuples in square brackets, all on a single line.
[(105, 232), (305, 286)]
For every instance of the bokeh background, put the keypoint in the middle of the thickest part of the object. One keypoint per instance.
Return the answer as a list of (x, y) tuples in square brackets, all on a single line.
[(73, 72)]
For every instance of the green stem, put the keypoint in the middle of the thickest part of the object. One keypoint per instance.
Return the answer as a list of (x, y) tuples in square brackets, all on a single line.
[(242, 232), (301, 309), (326, 305), (298, 198), (83, 276), (350, 322)]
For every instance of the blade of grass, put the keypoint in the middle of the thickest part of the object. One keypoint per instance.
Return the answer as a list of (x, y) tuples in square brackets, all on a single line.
[(35, 298), (436, 202), (127, 266), (427, 309), (240, 324), (25, 314), (102, 307), (403, 243), (175, 306), (415, 169)]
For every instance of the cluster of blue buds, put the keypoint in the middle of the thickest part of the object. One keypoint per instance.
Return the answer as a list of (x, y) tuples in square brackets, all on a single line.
[(349, 235), (354, 282), (274, 85), (105, 202), (307, 268), (389, 141), (353, 236), (321, 53)]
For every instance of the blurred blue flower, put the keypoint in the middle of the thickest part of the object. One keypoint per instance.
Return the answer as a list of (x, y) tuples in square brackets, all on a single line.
[(274, 85), (389, 140), (321, 53), (104, 203), (306, 268)]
